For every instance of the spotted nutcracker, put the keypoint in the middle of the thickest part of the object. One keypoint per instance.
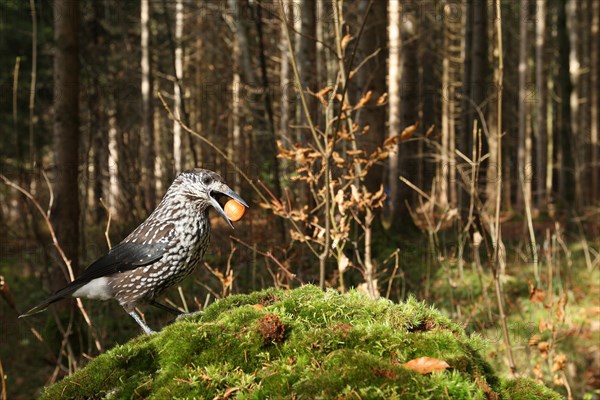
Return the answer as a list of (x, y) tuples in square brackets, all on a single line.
[(159, 253)]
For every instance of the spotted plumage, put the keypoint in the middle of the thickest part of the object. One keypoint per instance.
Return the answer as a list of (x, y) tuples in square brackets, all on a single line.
[(159, 253)]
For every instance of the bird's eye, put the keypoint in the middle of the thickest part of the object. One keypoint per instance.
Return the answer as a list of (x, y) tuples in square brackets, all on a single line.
[(206, 180)]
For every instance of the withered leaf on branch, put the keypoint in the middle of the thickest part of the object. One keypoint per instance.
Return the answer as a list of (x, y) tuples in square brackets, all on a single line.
[(354, 152), (364, 100), (409, 131), (426, 365), (345, 41), (382, 100)]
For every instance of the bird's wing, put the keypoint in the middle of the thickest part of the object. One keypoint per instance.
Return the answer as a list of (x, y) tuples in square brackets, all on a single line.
[(123, 257), (147, 244), (127, 255)]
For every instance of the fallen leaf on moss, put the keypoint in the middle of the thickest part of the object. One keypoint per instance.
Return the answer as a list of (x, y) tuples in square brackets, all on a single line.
[(426, 365)]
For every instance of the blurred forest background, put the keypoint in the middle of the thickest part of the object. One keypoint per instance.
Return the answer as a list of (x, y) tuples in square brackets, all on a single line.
[(445, 149)]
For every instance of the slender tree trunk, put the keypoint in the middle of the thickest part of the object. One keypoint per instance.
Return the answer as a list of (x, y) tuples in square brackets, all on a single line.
[(307, 59), (394, 103), (65, 211), (522, 194), (178, 153), (409, 97), (574, 74), (148, 155), (480, 67), (468, 113), (564, 132), (114, 187), (284, 72), (372, 76), (541, 106), (234, 144), (595, 103)]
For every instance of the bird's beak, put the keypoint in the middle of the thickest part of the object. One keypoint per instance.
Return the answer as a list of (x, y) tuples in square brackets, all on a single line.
[(229, 193)]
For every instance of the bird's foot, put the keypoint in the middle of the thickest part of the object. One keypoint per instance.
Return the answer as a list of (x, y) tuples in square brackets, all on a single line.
[(184, 315)]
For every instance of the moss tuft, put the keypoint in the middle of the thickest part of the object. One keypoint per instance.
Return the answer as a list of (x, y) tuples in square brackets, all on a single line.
[(303, 343)]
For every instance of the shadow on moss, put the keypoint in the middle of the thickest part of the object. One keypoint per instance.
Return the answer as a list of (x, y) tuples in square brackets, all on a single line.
[(303, 343)]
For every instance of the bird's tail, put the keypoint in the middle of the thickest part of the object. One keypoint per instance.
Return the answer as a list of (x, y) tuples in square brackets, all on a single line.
[(61, 294)]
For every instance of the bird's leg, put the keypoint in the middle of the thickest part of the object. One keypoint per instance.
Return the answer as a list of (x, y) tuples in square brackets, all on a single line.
[(141, 323), (165, 307)]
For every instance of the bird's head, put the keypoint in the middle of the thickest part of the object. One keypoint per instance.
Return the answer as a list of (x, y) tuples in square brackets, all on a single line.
[(206, 187)]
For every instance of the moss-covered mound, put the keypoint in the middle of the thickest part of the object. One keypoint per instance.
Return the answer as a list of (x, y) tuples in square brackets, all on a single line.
[(302, 344)]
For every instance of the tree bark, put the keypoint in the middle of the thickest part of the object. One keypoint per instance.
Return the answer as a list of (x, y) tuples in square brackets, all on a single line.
[(565, 88), (522, 192), (372, 76), (178, 153), (541, 107), (394, 105), (307, 60), (409, 101), (595, 103), (65, 211), (148, 152)]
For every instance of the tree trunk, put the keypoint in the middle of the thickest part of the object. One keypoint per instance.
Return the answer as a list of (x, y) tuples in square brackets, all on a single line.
[(372, 76), (65, 211), (178, 153), (565, 88), (595, 103), (541, 107), (394, 104), (307, 60), (409, 100), (234, 144), (522, 193), (148, 153), (479, 67), (573, 67)]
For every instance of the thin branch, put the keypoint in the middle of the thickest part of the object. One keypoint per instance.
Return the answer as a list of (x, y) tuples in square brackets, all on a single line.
[(60, 251)]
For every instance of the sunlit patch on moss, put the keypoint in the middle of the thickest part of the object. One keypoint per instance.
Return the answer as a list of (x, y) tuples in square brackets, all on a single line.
[(303, 343)]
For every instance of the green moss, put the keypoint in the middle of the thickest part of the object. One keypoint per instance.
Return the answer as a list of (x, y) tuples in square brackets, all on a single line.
[(524, 389), (303, 343)]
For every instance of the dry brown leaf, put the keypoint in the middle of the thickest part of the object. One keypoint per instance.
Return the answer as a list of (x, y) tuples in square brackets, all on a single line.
[(346, 40), (544, 348), (354, 152), (325, 91), (536, 295), (534, 340), (560, 307), (426, 365), (364, 100), (409, 131), (382, 100), (560, 363)]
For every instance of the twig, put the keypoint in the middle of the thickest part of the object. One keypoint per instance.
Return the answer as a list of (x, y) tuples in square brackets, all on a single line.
[(60, 251), (3, 381), (108, 219), (497, 239), (270, 256)]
